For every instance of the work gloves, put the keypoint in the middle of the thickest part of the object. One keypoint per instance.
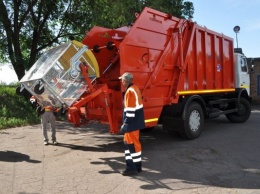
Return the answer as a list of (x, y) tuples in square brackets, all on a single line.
[(123, 128)]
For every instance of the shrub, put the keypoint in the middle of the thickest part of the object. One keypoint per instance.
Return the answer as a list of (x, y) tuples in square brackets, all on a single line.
[(15, 110)]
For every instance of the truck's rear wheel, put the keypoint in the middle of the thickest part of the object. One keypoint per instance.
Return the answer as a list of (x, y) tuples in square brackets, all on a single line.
[(194, 121), (244, 111)]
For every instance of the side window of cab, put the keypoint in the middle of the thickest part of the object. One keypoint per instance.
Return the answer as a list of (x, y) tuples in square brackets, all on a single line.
[(243, 64)]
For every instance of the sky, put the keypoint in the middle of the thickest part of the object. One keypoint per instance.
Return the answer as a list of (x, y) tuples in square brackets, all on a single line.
[(223, 15), (220, 16), (7, 74)]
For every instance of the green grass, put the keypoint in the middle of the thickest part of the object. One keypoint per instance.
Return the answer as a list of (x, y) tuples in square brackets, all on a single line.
[(15, 110)]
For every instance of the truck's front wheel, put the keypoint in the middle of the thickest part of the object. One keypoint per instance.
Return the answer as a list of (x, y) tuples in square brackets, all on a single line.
[(244, 111), (194, 121)]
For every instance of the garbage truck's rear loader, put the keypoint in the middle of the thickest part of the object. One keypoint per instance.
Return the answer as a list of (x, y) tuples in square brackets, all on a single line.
[(186, 73)]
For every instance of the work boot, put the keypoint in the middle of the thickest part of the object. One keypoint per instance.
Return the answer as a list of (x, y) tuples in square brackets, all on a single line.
[(139, 170), (129, 172), (45, 142), (55, 142)]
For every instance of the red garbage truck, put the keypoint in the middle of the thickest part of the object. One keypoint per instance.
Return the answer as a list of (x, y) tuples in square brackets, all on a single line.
[(186, 73)]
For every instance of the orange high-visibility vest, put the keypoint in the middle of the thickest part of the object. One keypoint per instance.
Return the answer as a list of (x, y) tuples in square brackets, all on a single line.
[(133, 114)]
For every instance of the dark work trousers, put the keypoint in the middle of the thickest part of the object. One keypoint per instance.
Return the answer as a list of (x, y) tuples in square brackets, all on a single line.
[(133, 150)]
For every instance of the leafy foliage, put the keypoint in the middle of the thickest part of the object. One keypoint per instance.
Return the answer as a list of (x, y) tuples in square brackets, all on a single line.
[(29, 27), (15, 110), (113, 14)]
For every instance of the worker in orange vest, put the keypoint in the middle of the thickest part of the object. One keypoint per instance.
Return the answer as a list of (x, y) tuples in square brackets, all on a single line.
[(47, 116), (133, 121)]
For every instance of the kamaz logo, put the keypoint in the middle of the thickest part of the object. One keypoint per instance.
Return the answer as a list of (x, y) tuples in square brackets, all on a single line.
[(105, 35), (155, 20)]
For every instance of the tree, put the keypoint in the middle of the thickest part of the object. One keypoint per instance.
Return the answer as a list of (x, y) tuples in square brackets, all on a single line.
[(29, 27), (115, 13)]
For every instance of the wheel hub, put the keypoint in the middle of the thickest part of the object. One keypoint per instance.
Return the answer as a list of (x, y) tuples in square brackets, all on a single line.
[(194, 120)]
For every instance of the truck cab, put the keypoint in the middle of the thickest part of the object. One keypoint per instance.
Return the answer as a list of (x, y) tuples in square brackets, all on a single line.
[(242, 76)]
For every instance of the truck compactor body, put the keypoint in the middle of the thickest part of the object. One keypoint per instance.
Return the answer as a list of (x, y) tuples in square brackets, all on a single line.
[(186, 73)]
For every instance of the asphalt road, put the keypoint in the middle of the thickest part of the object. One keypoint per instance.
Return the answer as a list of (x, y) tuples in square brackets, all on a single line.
[(224, 159)]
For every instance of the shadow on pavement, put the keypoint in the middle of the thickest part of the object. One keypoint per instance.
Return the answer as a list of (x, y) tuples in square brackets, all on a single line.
[(214, 159), (110, 147), (11, 156)]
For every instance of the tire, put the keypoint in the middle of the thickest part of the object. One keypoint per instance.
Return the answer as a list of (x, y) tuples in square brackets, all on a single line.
[(18, 92), (37, 89), (23, 93), (194, 121), (244, 112)]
